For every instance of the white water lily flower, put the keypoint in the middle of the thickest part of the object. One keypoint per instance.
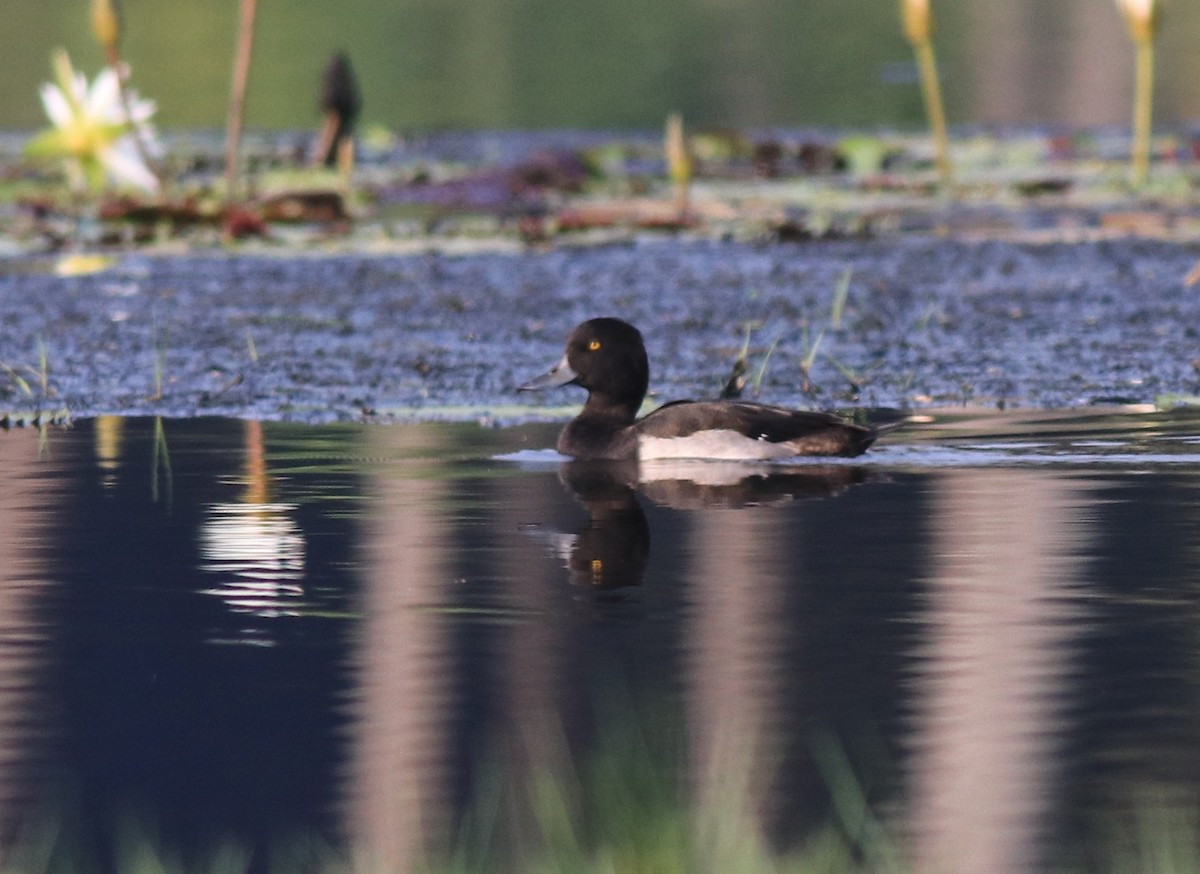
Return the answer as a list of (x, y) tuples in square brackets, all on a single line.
[(92, 132)]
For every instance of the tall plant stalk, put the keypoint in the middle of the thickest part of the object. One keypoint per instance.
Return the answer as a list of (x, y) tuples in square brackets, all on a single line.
[(106, 25), (237, 97), (1143, 18), (917, 20), (1142, 112), (931, 91), (679, 163)]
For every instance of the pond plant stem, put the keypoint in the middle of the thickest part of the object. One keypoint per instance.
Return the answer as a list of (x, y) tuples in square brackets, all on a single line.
[(917, 21), (1142, 112), (106, 25), (931, 91), (1143, 18), (237, 97), (679, 164)]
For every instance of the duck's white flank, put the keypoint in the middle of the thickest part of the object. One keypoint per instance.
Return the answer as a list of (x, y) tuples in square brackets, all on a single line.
[(721, 445)]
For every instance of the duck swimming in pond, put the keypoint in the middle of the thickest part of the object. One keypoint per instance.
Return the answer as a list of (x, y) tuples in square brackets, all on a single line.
[(607, 357)]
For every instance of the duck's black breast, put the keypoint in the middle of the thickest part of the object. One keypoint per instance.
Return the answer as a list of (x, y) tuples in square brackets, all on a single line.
[(599, 437)]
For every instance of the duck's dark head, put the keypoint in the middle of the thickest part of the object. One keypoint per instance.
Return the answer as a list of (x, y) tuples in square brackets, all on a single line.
[(608, 358)]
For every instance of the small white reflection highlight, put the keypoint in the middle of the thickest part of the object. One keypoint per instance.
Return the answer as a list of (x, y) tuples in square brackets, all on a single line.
[(259, 551)]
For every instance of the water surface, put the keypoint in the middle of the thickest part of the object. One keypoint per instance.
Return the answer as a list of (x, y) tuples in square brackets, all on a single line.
[(273, 637)]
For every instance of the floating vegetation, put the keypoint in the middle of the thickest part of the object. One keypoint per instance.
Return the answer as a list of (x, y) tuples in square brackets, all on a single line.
[(594, 186), (1177, 402), (607, 188), (82, 264)]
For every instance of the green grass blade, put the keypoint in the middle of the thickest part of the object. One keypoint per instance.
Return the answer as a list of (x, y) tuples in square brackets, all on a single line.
[(840, 294)]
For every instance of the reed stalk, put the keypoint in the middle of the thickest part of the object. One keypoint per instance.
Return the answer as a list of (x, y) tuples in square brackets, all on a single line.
[(1143, 18), (917, 20), (679, 163), (237, 97), (1142, 113), (106, 27)]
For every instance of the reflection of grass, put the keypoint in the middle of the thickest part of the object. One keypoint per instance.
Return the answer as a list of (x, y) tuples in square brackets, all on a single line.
[(1156, 832), (161, 461), (634, 803), (632, 806)]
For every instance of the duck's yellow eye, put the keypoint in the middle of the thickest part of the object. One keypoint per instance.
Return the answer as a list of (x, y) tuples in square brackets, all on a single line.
[(594, 345)]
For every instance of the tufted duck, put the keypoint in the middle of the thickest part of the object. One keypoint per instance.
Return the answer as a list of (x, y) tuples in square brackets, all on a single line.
[(606, 356)]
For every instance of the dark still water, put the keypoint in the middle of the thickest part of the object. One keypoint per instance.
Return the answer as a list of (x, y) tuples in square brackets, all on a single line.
[(397, 645)]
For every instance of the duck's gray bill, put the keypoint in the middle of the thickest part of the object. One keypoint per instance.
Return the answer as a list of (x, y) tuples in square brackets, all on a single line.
[(561, 374)]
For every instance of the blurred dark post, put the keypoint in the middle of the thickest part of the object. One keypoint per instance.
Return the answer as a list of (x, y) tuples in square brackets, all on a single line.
[(341, 103)]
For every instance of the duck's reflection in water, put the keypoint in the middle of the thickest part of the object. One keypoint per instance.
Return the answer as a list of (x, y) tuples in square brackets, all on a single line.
[(611, 550)]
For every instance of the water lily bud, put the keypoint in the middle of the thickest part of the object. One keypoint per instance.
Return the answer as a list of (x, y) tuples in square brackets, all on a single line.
[(1143, 17), (106, 25), (917, 20), (64, 74)]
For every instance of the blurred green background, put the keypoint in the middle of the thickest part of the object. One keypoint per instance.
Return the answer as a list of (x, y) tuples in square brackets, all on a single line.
[(431, 64)]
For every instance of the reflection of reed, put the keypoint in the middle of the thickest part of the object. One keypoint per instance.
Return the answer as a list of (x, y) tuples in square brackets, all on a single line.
[(735, 642), (160, 466), (993, 681), (255, 545), (398, 786), (27, 500), (108, 438), (258, 551)]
